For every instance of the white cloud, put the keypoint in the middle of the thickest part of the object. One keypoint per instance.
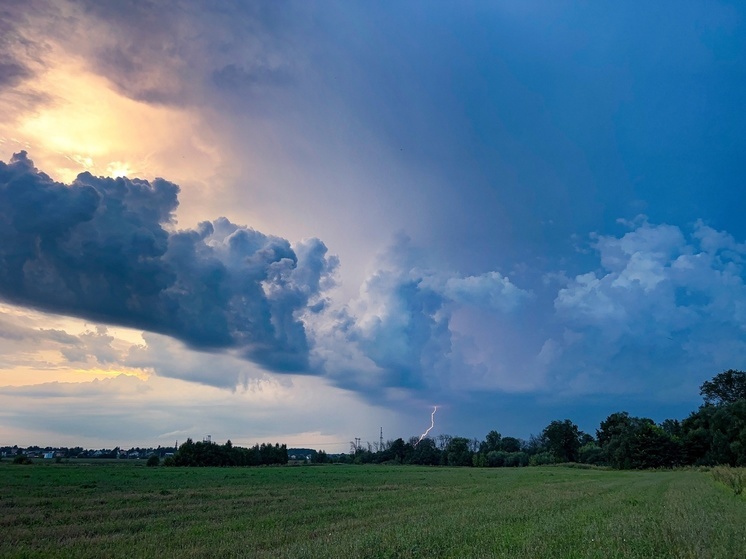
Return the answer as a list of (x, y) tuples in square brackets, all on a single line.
[(491, 290), (398, 333), (662, 300)]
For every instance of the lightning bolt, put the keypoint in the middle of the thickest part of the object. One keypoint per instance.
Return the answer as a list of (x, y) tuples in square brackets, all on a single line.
[(432, 424)]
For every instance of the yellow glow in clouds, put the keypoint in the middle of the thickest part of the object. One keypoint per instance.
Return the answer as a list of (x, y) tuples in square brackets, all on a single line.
[(88, 126)]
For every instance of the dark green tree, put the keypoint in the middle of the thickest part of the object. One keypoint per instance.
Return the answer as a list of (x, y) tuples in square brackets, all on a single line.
[(536, 444), (319, 457), (457, 452), (637, 442), (511, 444), (426, 453), (726, 388), (672, 427), (491, 442), (716, 435), (590, 453), (397, 450), (563, 440)]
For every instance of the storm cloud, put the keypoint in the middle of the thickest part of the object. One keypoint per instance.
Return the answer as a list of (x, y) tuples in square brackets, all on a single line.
[(107, 250)]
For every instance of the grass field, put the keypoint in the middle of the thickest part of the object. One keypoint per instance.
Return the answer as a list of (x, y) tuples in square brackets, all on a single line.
[(126, 510)]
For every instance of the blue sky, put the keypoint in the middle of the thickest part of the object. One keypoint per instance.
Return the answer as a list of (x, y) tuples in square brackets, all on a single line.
[(346, 213)]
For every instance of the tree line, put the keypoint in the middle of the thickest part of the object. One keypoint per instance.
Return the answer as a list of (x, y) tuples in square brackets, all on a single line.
[(714, 434), (206, 453)]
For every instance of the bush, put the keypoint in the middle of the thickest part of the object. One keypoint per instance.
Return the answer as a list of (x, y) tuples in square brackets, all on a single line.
[(541, 459), (153, 461), (591, 453), (735, 478), (22, 459)]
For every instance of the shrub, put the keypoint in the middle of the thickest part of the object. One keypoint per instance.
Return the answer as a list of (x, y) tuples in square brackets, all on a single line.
[(22, 459), (735, 478), (154, 460), (541, 459)]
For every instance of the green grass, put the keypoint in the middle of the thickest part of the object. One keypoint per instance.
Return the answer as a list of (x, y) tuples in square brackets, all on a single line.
[(113, 510)]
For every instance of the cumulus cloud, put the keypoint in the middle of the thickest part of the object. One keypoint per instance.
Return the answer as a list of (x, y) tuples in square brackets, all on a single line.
[(96, 345), (398, 333), (106, 250), (491, 290), (654, 271), (664, 298)]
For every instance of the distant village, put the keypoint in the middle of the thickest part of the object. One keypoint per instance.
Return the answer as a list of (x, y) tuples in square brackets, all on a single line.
[(135, 453), (51, 453)]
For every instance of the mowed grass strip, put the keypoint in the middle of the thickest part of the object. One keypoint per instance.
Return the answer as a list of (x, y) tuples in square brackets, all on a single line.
[(71, 510)]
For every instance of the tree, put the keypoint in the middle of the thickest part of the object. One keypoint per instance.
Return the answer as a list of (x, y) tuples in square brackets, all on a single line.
[(397, 450), (319, 457), (154, 460), (535, 444), (511, 444), (491, 442), (726, 388), (671, 427), (443, 441), (426, 452), (457, 452), (590, 453), (716, 435), (493, 439), (637, 442), (563, 439), (652, 447)]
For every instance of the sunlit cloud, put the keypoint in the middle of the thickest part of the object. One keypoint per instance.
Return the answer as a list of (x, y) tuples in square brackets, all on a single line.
[(90, 127)]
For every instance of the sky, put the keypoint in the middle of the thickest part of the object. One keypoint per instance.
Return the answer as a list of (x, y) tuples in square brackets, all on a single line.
[(304, 222)]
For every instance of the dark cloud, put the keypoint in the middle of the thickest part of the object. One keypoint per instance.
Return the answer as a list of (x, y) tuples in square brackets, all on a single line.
[(11, 73), (166, 356), (168, 52), (21, 53), (104, 249)]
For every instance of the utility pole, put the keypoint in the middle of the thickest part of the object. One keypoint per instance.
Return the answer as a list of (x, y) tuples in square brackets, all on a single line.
[(380, 441)]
